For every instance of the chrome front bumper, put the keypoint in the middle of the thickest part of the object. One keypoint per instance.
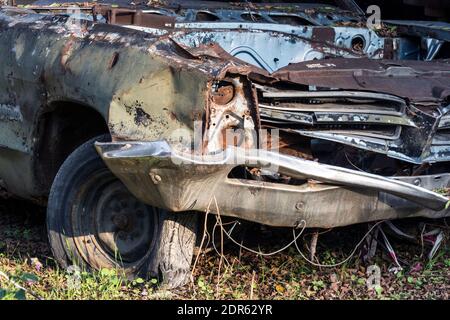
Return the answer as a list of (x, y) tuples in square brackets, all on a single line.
[(165, 178)]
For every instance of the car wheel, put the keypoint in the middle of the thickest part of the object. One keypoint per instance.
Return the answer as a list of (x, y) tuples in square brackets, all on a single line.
[(93, 221)]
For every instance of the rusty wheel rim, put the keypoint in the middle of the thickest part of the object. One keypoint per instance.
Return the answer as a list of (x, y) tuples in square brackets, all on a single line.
[(116, 223)]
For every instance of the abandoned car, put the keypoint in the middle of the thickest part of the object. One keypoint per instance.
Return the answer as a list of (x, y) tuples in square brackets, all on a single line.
[(129, 124)]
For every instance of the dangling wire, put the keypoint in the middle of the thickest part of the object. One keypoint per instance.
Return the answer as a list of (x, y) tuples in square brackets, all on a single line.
[(228, 234), (302, 225), (342, 262)]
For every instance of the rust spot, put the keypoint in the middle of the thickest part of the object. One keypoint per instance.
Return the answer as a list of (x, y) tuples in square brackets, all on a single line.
[(389, 49), (323, 35), (113, 61), (223, 95), (66, 53), (254, 191), (173, 116), (142, 118)]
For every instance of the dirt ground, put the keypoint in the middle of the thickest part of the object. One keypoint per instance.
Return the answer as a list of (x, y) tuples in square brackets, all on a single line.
[(26, 260)]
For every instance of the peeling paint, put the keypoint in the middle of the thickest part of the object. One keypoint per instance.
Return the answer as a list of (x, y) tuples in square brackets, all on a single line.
[(10, 113)]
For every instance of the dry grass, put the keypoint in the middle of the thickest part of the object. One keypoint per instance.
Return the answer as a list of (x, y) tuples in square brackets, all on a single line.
[(26, 259)]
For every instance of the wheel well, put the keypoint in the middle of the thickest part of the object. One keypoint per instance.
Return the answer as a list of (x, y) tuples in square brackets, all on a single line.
[(62, 128)]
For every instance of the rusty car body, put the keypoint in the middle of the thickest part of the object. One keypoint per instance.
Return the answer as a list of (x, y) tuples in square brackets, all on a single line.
[(362, 132)]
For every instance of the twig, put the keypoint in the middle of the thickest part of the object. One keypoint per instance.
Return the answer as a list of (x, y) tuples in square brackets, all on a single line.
[(314, 239), (421, 241), (203, 240), (252, 285), (18, 286), (219, 220)]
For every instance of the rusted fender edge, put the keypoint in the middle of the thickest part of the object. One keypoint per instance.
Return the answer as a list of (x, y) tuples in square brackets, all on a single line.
[(160, 176)]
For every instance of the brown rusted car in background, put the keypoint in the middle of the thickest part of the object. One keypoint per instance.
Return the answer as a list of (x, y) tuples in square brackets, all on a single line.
[(117, 119)]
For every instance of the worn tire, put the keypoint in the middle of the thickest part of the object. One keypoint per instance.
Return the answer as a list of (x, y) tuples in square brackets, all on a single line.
[(94, 222)]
